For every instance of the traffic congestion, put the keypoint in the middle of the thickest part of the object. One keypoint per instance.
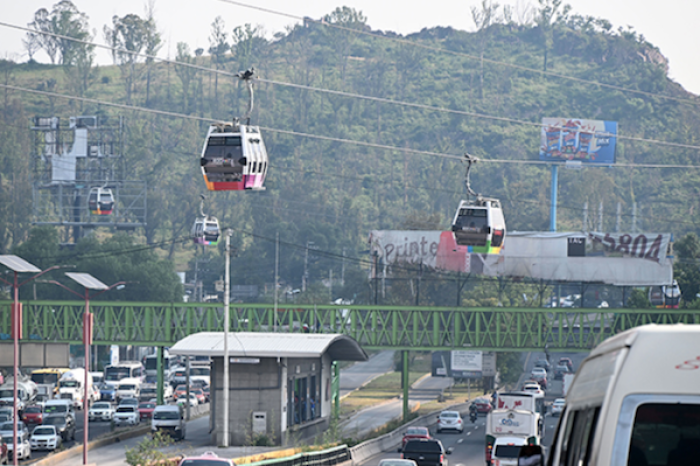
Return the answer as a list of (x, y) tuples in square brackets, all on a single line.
[(122, 396)]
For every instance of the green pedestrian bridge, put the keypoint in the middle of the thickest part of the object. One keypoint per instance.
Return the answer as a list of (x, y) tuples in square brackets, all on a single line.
[(374, 327)]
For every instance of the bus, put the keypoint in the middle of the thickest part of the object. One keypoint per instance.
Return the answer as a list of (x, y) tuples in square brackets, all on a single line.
[(169, 365), (46, 381), (124, 370)]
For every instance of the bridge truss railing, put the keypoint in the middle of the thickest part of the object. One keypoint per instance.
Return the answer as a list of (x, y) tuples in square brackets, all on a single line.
[(374, 327)]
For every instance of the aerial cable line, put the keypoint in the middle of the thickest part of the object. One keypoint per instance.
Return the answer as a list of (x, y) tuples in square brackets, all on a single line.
[(349, 94), (461, 54), (334, 139)]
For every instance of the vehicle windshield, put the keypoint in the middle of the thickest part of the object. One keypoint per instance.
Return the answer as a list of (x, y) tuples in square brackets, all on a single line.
[(100, 406), (44, 431), (32, 409), (166, 415), (127, 387), (507, 451), (416, 431), (45, 379), (130, 401), (199, 371), (6, 426), (116, 373), (147, 405), (50, 409), (665, 434), (69, 384), (449, 415)]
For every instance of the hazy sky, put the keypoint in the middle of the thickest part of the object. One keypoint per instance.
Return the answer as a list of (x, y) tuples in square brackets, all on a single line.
[(671, 25)]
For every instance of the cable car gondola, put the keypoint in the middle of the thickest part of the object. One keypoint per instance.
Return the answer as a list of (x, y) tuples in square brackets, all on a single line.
[(479, 224), (206, 229), (234, 157), (100, 201), (666, 296)]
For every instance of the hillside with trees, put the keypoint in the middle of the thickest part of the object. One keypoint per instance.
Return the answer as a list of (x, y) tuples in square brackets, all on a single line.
[(324, 84)]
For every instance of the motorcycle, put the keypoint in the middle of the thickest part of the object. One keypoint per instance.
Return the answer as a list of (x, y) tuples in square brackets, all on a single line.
[(472, 416)]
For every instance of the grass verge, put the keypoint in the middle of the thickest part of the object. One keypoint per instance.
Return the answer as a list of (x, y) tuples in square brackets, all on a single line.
[(379, 390)]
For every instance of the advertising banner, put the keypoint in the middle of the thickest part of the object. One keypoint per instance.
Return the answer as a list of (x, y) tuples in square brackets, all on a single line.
[(623, 259), (433, 249), (587, 141)]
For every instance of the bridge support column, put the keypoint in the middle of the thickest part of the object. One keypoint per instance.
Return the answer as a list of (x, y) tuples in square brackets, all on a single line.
[(335, 389), (160, 388), (404, 384)]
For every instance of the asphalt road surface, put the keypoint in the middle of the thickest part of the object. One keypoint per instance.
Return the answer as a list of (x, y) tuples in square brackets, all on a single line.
[(353, 377)]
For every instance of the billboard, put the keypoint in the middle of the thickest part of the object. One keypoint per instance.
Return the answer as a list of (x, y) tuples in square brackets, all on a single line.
[(622, 259), (466, 361), (586, 141), (433, 249)]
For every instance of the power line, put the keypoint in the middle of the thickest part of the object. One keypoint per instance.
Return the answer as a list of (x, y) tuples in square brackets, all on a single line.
[(461, 54), (341, 140), (349, 94)]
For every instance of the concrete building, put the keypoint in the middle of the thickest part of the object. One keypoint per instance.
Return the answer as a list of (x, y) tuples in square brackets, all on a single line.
[(280, 384)]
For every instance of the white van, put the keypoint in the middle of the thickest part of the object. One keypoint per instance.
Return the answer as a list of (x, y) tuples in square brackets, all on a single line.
[(128, 388), (635, 400), (169, 419)]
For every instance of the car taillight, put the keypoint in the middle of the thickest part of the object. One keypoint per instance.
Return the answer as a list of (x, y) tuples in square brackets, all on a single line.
[(459, 421), (402, 456), (442, 458)]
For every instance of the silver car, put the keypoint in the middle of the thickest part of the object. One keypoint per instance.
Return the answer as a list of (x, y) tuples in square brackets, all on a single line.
[(450, 420)]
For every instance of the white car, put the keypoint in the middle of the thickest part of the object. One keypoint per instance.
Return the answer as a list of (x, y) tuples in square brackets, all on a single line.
[(127, 415), (558, 406), (450, 420), (45, 438), (101, 411), (193, 400), (24, 450), (538, 372)]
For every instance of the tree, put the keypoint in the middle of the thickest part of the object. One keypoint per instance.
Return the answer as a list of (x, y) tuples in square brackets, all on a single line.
[(483, 19), (40, 39), (128, 36), (686, 269), (550, 14), (153, 44), (218, 47), (147, 451), (185, 73)]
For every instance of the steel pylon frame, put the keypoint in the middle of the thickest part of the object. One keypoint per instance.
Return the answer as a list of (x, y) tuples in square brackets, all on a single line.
[(374, 327)]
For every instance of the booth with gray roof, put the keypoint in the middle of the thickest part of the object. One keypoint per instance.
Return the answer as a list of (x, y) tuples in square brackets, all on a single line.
[(279, 383)]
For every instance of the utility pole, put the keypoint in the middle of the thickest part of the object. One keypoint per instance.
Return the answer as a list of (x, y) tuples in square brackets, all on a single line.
[(277, 277), (227, 292), (420, 275), (305, 278), (342, 270)]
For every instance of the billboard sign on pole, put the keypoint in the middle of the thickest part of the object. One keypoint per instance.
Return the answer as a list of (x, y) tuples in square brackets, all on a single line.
[(467, 364), (573, 139)]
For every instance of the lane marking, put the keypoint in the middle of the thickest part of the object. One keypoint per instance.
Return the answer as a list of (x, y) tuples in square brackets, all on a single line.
[(461, 440), (469, 433)]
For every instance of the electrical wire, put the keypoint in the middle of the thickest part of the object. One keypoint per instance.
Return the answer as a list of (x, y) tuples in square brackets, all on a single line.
[(346, 94), (342, 140)]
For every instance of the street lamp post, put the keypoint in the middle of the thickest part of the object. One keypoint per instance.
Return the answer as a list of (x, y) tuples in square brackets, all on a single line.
[(18, 265), (88, 282)]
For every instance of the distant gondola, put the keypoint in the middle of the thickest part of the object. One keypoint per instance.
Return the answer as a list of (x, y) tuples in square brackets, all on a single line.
[(100, 201), (479, 223), (206, 231), (665, 297)]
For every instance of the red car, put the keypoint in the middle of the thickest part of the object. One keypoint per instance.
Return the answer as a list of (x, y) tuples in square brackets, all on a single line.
[(412, 433), (568, 362), (180, 391), (483, 405), (199, 393), (33, 415), (146, 410)]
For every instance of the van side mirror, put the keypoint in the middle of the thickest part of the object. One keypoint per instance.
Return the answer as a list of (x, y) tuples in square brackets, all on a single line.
[(531, 455), (449, 451)]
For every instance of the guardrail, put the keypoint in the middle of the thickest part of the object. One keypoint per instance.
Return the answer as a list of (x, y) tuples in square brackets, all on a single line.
[(330, 457)]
